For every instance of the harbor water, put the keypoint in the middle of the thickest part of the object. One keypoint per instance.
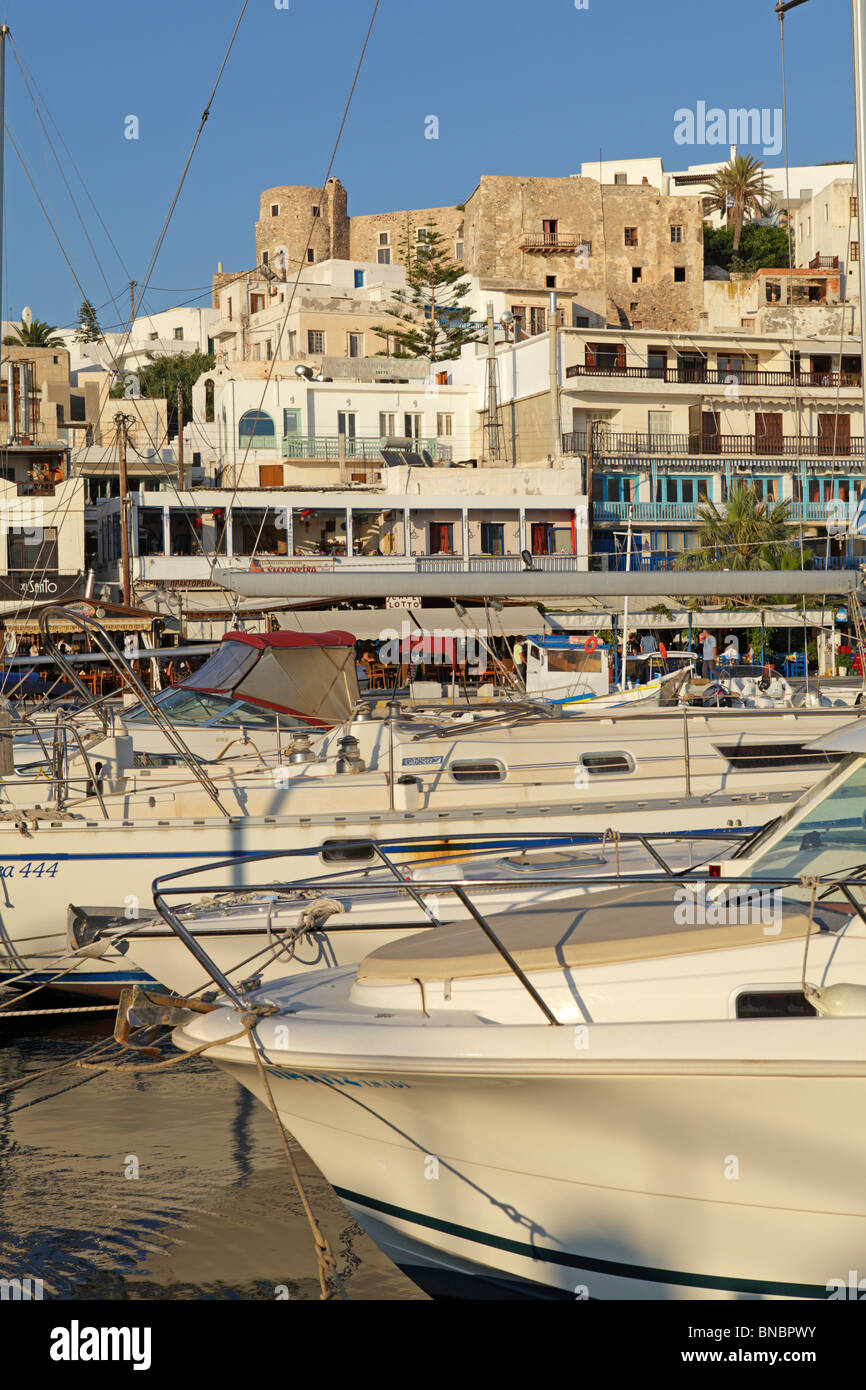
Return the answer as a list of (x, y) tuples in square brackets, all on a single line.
[(166, 1184)]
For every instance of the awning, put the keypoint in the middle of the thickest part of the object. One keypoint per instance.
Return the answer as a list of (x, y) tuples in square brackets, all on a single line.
[(30, 626), (364, 624), (520, 620)]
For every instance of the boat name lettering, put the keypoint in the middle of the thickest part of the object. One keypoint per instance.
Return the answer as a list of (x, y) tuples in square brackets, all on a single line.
[(421, 762), (325, 1079)]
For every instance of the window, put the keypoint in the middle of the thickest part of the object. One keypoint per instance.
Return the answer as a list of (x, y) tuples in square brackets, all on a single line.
[(441, 534), (636, 274), (412, 425), (676, 235), (345, 852), (208, 401), (257, 303), (550, 282), (679, 274), (621, 177), (537, 320), (384, 256), (659, 422), (317, 212), (230, 308), (291, 421), (31, 550), (465, 771), (265, 257), (607, 764), (275, 209), (346, 423), (356, 345), (421, 233), (444, 425), (387, 425), (270, 475), (155, 336), (256, 430), (855, 250), (178, 335), (384, 238), (359, 279), (492, 538), (550, 226), (631, 236), (458, 250), (269, 349), (311, 255), (315, 340), (778, 1003), (852, 206)]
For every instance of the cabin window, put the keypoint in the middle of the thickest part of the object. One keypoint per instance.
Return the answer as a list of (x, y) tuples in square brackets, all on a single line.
[(607, 764), (775, 1003), (346, 852), (491, 771), (755, 756), (574, 660)]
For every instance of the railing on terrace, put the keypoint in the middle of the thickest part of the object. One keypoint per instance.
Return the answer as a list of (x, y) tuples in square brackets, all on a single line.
[(824, 263), (559, 241), (494, 564), (713, 376), (613, 444), (664, 561), (327, 446), (688, 511)]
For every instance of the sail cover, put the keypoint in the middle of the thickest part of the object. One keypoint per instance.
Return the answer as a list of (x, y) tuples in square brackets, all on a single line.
[(310, 675)]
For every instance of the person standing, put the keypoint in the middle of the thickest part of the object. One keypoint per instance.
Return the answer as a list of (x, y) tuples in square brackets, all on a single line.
[(708, 652), (519, 654)]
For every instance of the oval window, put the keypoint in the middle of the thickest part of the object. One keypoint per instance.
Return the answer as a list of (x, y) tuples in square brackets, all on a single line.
[(346, 852)]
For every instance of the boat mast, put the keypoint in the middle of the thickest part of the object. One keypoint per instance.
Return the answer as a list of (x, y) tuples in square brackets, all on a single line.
[(4, 30), (858, 10)]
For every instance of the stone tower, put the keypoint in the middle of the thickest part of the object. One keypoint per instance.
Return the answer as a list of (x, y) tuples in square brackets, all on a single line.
[(289, 216)]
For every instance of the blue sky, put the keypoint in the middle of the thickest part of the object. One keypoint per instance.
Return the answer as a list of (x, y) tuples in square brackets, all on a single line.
[(518, 87)]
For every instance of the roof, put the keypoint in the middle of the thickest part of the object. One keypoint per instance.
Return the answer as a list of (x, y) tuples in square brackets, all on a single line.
[(629, 924), (292, 639)]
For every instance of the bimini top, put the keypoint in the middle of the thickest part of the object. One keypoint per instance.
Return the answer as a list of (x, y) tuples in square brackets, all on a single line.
[(851, 738), (557, 641), (308, 675)]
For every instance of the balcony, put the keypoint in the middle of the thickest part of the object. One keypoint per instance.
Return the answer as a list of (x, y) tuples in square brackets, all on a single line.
[(327, 446), (824, 263), (642, 512), (556, 243), (663, 561), (712, 376), (610, 444)]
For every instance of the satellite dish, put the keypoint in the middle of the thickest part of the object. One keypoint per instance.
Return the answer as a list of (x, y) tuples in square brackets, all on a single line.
[(526, 557)]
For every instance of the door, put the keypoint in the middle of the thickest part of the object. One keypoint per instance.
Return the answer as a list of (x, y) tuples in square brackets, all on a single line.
[(441, 537), (540, 538), (768, 432), (270, 475), (834, 434), (710, 439)]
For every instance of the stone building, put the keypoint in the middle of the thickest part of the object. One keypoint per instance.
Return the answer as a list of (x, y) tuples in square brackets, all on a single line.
[(627, 256)]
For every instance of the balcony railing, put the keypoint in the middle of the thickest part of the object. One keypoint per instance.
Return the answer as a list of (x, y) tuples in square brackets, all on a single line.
[(713, 376), (324, 446), (663, 560), (688, 511), (559, 241), (610, 444), (824, 263)]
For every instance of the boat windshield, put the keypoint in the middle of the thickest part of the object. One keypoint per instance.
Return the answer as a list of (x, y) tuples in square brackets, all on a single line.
[(829, 840), (185, 707)]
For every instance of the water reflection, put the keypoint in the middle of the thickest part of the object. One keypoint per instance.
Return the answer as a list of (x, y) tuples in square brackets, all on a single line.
[(212, 1212)]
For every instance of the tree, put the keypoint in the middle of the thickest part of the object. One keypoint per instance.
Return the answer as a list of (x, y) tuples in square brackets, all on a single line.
[(737, 190), (88, 329), (35, 334), (759, 246), (159, 376), (428, 318), (750, 534)]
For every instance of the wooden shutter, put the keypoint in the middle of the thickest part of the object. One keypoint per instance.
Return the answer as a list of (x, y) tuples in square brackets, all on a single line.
[(768, 432), (834, 433), (589, 352), (270, 475), (620, 357)]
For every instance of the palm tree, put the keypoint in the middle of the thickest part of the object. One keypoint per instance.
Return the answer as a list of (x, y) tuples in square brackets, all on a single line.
[(737, 189), (35, 334), (750, 534)]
